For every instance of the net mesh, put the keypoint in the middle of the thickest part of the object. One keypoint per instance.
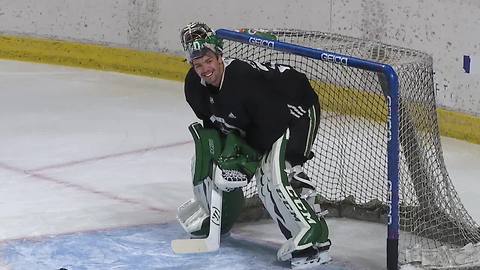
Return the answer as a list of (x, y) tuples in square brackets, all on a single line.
[(350, 163)]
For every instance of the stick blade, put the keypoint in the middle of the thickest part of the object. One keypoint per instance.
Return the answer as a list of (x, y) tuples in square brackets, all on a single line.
[(182, 246)]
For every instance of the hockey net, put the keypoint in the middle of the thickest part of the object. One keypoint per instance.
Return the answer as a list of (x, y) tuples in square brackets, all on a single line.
[(350, 163)]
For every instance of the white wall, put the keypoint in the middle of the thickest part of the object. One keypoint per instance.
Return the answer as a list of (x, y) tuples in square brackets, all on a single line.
[(447, 29)]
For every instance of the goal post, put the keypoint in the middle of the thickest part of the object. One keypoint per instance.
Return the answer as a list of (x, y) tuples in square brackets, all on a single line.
[(392, 100), (377, 154)]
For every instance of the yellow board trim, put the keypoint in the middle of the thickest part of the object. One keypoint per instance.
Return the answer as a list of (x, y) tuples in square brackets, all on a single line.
[(352, 102), (459, 125), (452, 124), (150, 64)]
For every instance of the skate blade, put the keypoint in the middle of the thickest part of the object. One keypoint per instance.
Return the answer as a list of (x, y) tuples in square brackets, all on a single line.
[(308, 263)]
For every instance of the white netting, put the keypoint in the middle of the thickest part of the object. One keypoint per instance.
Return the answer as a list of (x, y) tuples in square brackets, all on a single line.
[(350, 164)]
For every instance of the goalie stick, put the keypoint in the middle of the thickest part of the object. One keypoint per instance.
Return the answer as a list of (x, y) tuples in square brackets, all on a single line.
[(212, 242)]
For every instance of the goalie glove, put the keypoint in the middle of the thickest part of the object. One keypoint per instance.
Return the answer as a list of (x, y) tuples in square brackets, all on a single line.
[(228, 180), (238, 162)]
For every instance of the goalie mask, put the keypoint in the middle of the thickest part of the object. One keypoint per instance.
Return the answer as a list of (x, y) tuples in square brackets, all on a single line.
[(197, 38)]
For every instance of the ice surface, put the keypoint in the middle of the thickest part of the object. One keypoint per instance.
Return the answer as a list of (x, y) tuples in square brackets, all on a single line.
[(93, 165)]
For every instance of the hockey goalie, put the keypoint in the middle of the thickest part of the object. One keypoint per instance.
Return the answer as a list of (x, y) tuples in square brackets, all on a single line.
[(259, 123)]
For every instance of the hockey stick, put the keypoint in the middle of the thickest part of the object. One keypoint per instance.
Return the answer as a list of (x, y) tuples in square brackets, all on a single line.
[(212, 242)]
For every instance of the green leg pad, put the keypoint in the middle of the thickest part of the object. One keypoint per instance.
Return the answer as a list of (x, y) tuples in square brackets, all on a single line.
[(232, 205)]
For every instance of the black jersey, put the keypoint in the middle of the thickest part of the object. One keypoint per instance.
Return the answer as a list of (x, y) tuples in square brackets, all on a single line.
[(252, 100), (288, 82)]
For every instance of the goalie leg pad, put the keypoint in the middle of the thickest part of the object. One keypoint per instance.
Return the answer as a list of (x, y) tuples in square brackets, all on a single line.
[(302, 184), (296, 219), (232, 206)]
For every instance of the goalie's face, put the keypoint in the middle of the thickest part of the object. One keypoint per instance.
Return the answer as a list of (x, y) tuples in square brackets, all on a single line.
[(209, 67)]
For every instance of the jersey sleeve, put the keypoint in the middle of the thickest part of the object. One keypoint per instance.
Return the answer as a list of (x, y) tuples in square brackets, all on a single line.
[(196, 99)]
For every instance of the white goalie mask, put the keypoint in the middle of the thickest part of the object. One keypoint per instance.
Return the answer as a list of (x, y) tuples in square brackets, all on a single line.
[(197, 38)]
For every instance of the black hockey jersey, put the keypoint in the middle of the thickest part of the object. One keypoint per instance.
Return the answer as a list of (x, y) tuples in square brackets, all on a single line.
[(253, 100)]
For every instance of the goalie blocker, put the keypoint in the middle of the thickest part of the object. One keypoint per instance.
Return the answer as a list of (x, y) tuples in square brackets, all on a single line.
[(307, 234)]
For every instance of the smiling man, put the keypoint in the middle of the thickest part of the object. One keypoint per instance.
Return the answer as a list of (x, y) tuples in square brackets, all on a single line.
[(268, 109)]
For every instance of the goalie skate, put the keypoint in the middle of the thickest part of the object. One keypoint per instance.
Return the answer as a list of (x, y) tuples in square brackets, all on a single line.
[(311, 260)]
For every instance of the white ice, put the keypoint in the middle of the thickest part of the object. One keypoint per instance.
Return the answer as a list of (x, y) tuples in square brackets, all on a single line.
[(83, 151)]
